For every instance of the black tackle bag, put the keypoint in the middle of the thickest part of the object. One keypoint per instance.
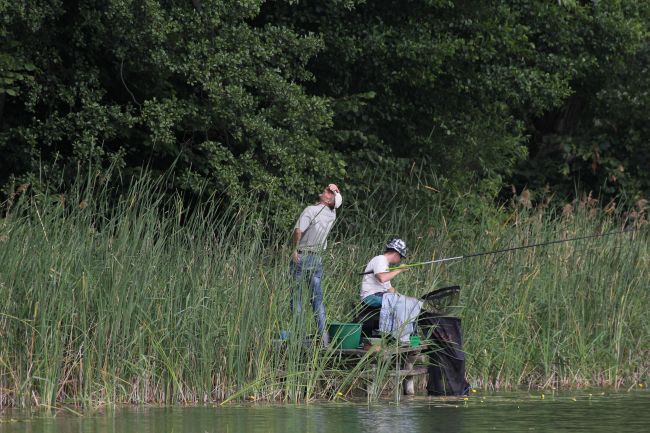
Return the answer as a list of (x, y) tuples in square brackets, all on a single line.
[(447, 359)]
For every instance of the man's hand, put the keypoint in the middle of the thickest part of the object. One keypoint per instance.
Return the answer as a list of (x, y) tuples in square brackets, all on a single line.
[(295, 257), (401, 268)]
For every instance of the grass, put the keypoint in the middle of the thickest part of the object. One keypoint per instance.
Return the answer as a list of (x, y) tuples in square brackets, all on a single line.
[(145, 301)]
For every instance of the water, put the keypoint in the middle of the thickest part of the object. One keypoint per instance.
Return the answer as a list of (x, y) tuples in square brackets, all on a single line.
[(577, 412)]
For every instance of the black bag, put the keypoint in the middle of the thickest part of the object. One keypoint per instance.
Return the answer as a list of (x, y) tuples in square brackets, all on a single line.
[(447, 368)]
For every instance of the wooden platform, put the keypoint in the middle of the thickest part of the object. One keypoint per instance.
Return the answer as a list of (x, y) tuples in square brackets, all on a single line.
[(406, 359), (415, 371), (389, 349)]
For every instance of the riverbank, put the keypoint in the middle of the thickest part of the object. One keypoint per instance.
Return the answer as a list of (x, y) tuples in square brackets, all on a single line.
[(147, 302)]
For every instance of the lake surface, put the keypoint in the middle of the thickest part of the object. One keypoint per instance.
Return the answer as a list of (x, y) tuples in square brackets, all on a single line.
[(597, 411)]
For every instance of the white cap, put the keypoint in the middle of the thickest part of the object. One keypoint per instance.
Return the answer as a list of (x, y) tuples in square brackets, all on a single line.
[(338, 200)]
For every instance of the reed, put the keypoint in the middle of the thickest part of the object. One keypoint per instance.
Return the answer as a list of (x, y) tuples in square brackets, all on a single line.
[(108, 299)]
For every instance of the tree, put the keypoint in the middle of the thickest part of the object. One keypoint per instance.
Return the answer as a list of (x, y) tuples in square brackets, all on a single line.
[(597, 138), (200, 84), (467, 89)]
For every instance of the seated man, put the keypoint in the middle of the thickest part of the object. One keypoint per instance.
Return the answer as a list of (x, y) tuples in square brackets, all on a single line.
[(397, 312), (376, 276)]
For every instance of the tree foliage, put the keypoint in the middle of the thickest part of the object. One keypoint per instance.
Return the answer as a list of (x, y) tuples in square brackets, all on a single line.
[(279, 97), (597, 137), (467, 88), (196, 84)]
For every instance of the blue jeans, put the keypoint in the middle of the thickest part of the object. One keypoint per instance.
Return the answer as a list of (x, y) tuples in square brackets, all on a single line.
[(307, 273)]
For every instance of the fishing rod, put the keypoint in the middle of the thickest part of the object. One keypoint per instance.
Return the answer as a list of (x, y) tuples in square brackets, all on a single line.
[(467, 256)]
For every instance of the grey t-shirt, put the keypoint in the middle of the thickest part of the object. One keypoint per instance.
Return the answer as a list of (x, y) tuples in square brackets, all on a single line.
[(315, 223)]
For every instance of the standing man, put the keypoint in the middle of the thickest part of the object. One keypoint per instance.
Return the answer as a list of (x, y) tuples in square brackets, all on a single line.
[(376, 276), (310, 240)]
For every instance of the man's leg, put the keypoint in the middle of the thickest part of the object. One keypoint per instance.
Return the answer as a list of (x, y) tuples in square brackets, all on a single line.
[(296, 289), (317, 297)]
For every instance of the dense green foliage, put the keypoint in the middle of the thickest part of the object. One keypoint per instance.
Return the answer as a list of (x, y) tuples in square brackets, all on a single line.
[(142, 83), (277, 97), (141, 302)]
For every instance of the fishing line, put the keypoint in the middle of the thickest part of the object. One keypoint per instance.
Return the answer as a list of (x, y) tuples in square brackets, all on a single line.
[(485, 253)]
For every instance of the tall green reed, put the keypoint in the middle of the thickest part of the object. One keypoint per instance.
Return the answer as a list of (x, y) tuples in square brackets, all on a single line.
[(109, 297)]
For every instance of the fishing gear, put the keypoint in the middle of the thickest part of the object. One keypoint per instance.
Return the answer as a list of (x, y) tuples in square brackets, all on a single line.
[(467, 256)]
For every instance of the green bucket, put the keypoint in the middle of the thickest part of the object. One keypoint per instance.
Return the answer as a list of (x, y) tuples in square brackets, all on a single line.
[(345, 335)]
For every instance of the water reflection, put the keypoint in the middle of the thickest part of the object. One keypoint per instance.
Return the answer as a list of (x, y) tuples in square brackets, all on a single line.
[(411, 418), (505, 413)]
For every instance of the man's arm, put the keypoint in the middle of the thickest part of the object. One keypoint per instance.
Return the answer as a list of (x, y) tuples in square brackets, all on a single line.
[(387, 276), (297, 235)]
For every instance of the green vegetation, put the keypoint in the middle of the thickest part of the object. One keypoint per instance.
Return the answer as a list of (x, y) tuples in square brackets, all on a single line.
[(280, 97), (135, 297), (153, 156)]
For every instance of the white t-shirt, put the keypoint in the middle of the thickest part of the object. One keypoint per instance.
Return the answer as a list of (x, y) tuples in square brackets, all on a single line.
[(315, 223), (370, 283)]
